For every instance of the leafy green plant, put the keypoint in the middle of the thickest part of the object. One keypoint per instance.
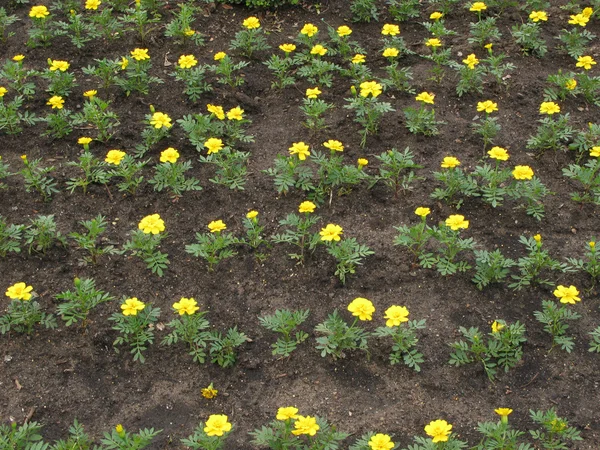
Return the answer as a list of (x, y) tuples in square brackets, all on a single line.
[(231, 167), (422, 120), (313, 109), (96, 113), (250, 40), (180, 26), (204, 438), (79, 30), (591, 263), (404, 337), (94, 171), (10, 237), (121, 439), (553, 317), (37, 178), (26, 436), (190, 328), (23, 313), (285, 321), (214, 246), (491, 267), (396, 170), (137, 77), (555, 432), (595, 341), (500, 435), (12, 118), (552, 133), (368, 109), (339, 337), (347, 252), (589, 177), (364, 10), (77, 304), (145, 241), (535, 264), (6, 20), (227, 71), (575, 41), (528, 37), (415, 237), (41, 234), (170, 175), (222, 347), (299, 233), (78, 439), (89, 241), (128, 169)]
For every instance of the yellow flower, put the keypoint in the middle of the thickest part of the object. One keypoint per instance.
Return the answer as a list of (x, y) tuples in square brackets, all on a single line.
[(216, 110), (522, 173), (84, 140), (90, 94), (456, 222), (571, 84), (395, 315), (358, 59), (344, 31), (313, 92), (140, 54), (287, 413), (189, 32), (425, 97), (251, 214), (57, 102), (579, 19), (307, 207), (381, 441), (586, 62), (300, 149), (124, 63), (362, 308), (186, 306), (567, 294), (422, 211), (537, 238), (169, 155), (370, 87), (236, 113), (439, 430), (216, 226), (498, 153), (58, 65), (92, 4), (209, 392), (478, 7), (592, 244), (549, 108), (119, 429), (288, 48), (331, 232), (18, 58), (436, 15), (536, 16), (309, 30), (187, 61), (219, 56), (131, 306), (333, 145), (488, 46), (503, 412), (39, 12), (450, 162), (497, 326), (471, 61), (433, 42), (3, 91), (390, 52), (152, 224), (595, 152), (217, 425), (390, 30), (114, 157), (318, 50), (305, 425), (251, 23), (160, 120), (19, 291), (214, 145), (362, 162), (488, 106)]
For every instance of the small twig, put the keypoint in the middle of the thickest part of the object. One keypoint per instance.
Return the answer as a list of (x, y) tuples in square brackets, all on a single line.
[(530, 381), (29, 415)]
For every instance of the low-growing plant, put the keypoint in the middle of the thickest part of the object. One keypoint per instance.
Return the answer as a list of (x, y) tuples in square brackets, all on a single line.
[(190, 328), (595, 340), (93, 171), (495, 66), (88, 241), (555, 431), (554, 316), (281, 67), (455, 182), (492, 179), (227, 71), (145, 241), (440, 435), (10, 237), (591, 263), (250, 40), (292, 171), (285, 321), (60, 81), (402, 10), (41, 30), (136, 77), (193, 76), (180, 26), (78, 439), (41, 234), (528, 37), (533, 266), (422, 120), (107, 70), (12, 118), (222, 348), (487, 126), (76, 305), (6, 20), (121, 439), (170, 175), (500, 435), (575, 41), (37, 178), (415, 237), (18, 76), (214, 246), (313, 108), (254, 235), (364, 10), (299, 231), (96, 113), (588, 176), (470, 76), (484, 31), (231, 164), (368, 109), (211, 435), (142, 19), (491, 267), (158, 126), (23, 313), (552, 133), (22, 436), (396, 170), (79, 30)]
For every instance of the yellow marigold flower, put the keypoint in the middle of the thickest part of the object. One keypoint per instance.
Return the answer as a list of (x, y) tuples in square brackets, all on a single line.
[(537, 238), (187, 61), (189, 32), (160, 120), (579, 19), (19, 291), (436, 15), (425, 97), (313, 92), (219, 56), (214, 145), (3, 91), (549, 108), (39, 12), (390, 52), (395, 315), (216, 226), (362, 308), (478, 7), (344, 31), (587, 12), (571, 84), (362, 162), (216, 110), (307, 207), (318, 50), (567, 294), (471, 61), (92, 4), (331, 232), (450, 162), (536, 16), (251, 23), (595, 152), (433, 42), (251, 214), (186, 306), (18, 58), (503, 412), (333, 145), (358, 59), (236, 113), (119, 429), (309, 30), (90, 94), (124, 63), (152, 224), (114, 157), (58, 65), (140, 54), (370, 87), (286, 413), (209, 392), (498, 153), (131, 306), (305, 425), (57, 102), (457, 222), (522, 173), (288, 48), (381, 441), (169, 155), (24, 158), (390, 30), (422, 211), (300, 149), (497, 326), (439, 430), (586, 62), (217, 425), (84, 140), (488, 106), (592, 244)]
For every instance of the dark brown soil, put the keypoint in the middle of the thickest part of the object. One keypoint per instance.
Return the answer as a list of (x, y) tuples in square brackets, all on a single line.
[(63, 374)]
